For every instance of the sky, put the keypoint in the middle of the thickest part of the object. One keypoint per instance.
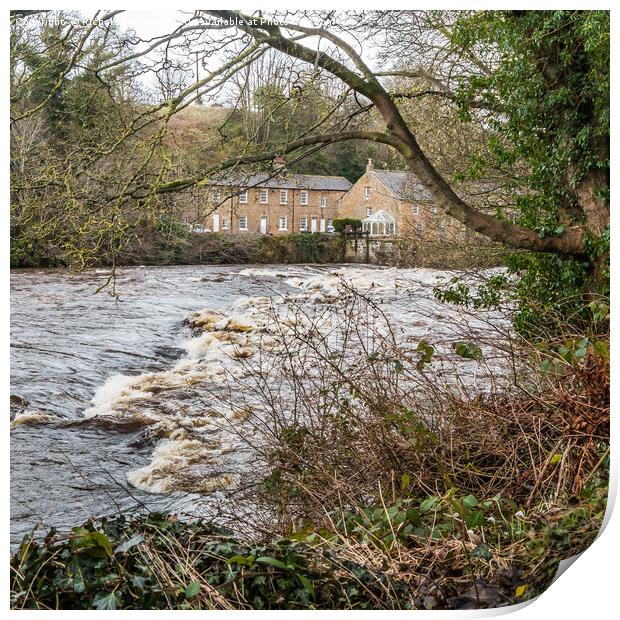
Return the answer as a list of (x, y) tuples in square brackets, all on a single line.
[(149, 24)]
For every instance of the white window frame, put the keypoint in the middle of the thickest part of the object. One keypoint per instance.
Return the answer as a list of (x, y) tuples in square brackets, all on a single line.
[(225, 223), (420, 229), (443, 231), (368, 211), (243, 219), (303, 198), (303, 224), (264, 196), (280, 220), (366, 192), (433, 210), (217, 195), (283, 196), (243, 197), (415, 210), (323, 201)]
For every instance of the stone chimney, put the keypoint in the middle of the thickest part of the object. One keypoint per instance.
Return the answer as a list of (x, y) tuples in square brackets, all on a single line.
[(279, 163), (370, 166)]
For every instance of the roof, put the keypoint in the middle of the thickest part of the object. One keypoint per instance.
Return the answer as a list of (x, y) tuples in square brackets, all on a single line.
[(380, 216), (403, 185), (285, 180)]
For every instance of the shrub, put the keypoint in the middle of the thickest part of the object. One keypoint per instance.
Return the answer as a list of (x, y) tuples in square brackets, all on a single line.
[(341, 223)]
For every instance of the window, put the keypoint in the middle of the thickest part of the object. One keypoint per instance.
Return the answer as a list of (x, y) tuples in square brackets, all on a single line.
[(283, 196), (433, 210), (226, 223), (391, 228), (303, 224), (421, 230), (415, 210), (323, 201), (243, 197), (283, 223), (368, 211), (243, 222), (330, 222), (217, 195), (264, 196), (304, 198), (367, 192), (442, 231)]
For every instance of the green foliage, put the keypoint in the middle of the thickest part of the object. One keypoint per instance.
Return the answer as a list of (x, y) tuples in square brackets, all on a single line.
[(468, 350), (341, 223), (550, 82), (74, 574), (300, 248), (552, 85), (163, 563), (549, 293), (426, 352), (412, 522)]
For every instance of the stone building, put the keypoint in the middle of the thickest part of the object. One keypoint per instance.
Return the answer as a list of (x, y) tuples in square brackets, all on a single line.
[(287, 203), (395, 203)]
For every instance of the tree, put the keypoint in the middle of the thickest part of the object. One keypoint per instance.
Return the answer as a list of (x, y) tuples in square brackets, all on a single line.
[(535, 82)]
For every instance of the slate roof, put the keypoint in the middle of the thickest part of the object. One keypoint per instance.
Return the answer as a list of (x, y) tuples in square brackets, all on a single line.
[(403, 185), (285, 181)]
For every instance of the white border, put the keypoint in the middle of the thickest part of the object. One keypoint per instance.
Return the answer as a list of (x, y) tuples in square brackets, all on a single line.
[(587, 588)]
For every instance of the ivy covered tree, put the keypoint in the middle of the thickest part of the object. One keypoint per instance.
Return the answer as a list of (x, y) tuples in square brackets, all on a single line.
[(550, 85)]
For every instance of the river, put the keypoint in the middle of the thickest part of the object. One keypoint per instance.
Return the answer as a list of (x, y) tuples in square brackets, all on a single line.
[(109, 393)]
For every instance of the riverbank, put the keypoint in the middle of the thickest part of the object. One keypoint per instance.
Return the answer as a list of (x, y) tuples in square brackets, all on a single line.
[(402, 549), (155, 249), (160, 562), (446, 470), (152, 248)]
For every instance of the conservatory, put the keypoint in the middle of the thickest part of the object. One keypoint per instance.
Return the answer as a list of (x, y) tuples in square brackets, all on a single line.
[(379, 224)]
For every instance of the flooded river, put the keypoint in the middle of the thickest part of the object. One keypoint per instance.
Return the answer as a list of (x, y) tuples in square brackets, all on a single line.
[(121, 404)]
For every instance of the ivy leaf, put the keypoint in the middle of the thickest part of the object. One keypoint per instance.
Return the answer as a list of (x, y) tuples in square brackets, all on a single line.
[(192, 589), (307, 584), (106, 601), (481, 551), (138, 582), (265, 559), (128, 544), (468, 350), (428, 504), (470, 501), (97, 543), (75, 569)]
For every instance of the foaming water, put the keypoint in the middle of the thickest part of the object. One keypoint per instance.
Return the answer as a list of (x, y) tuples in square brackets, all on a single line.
[(137, 403)]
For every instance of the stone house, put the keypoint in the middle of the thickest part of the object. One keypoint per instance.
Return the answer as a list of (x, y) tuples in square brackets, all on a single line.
[(278, 205), (395, 203)]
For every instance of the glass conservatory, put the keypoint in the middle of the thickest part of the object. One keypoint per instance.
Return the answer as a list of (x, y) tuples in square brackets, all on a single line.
[(379, 224)]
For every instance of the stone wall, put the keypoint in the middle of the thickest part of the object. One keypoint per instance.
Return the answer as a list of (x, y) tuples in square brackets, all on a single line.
[(413, 252)]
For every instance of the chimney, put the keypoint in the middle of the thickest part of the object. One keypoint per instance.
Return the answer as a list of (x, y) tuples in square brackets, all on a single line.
[(279, 162), (370, 166)]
